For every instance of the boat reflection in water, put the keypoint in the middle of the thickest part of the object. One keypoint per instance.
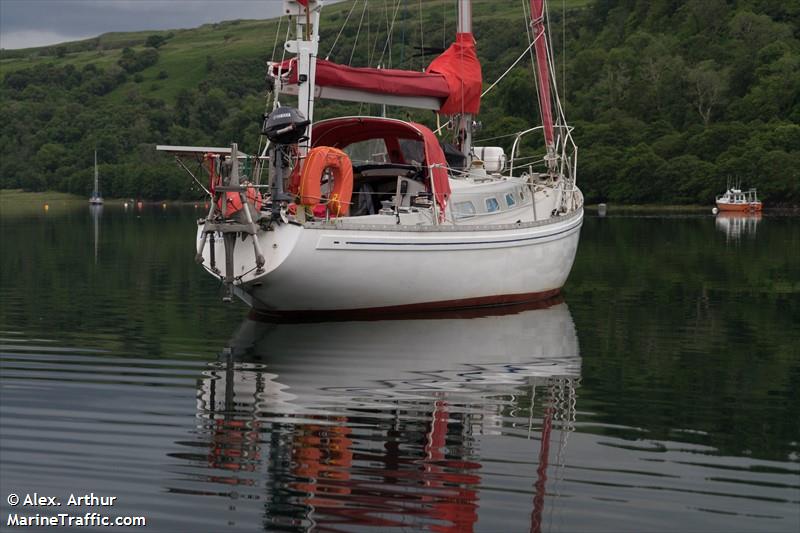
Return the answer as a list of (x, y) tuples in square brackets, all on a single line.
[(735, 225), (382, 423), (96, 212)]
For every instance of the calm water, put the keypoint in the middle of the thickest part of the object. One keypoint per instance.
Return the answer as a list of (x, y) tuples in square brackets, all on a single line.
[(660, 394)]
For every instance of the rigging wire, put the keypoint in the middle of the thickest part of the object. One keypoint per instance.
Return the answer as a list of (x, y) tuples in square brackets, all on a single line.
[(504, 74), (390, 33), (497, 137), (340, 30), (444, 25), (358, 32), (403, 35), (271, 97), (276, 103), (275, 43), (374, 52), (564, 49), (369, 33), (528, 30), (421, 37), (271, 60), (275, 93), (552, 71)]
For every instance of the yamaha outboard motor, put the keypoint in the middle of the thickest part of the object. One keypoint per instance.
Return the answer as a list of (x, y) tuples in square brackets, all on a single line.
[(284, 127)]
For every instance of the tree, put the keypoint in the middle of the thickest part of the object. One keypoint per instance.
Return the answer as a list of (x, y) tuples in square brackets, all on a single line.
[(639, 181), (155, 41), (708, 86), (689, 179), (517, 95), (757, 31), (50, 156), (133, 62)]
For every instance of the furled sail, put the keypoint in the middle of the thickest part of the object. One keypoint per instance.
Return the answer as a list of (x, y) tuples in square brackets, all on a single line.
[(460, 67), (542, 67), (451, 84)]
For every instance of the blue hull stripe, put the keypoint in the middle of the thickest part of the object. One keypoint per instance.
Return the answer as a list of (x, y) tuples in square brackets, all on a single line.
[(380, 243)]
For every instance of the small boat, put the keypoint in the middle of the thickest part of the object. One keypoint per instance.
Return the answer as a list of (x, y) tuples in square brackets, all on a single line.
[(735, 199), (382, 214), (96, 199)]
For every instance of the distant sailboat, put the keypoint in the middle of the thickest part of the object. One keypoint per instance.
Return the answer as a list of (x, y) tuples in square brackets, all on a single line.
[(96, 199)]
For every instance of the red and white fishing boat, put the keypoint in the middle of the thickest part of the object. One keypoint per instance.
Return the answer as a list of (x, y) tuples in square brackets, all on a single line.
[(737, 200), (378, 213)]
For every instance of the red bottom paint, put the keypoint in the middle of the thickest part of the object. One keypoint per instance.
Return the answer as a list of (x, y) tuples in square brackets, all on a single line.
[(465, 308)]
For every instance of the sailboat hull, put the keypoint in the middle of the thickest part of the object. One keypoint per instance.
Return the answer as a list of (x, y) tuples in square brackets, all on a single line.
[(392, 270)]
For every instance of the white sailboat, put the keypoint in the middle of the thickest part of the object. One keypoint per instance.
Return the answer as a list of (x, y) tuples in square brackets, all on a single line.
[(378, 214), (96, 198)]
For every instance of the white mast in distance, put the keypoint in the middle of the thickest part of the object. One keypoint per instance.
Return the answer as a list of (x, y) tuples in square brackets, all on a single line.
[(96, 177)]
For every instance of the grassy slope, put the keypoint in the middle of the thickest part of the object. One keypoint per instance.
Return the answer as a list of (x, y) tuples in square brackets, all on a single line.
[(184, 55)]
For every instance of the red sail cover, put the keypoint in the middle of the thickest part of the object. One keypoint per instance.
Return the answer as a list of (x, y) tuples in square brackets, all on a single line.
[(453, 78), (374, 80), (537, 17), (460, 66)]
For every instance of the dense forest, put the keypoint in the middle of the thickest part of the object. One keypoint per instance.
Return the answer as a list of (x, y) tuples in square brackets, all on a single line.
[(669, 99)]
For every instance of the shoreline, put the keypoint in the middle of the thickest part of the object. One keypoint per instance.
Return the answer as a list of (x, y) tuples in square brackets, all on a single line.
[(19, 200)]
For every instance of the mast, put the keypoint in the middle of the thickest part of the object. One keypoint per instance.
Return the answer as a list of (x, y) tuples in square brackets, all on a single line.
[(465, 119), (96, 191), (543, 80), (305, 46)]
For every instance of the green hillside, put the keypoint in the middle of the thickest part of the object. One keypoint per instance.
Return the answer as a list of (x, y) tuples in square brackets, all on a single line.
[(669, 99)]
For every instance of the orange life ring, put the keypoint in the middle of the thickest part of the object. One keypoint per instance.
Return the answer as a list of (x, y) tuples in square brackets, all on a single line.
[(317, 161)]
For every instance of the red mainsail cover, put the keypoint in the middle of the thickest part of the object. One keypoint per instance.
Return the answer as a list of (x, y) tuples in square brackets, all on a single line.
[(454, 78), (460, 67), (374, 80)]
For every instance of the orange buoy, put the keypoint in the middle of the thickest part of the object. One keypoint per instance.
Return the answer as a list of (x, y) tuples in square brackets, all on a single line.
[(319, 160)]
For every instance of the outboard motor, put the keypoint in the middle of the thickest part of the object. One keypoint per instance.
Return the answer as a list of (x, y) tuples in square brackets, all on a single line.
[(284, 126)]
